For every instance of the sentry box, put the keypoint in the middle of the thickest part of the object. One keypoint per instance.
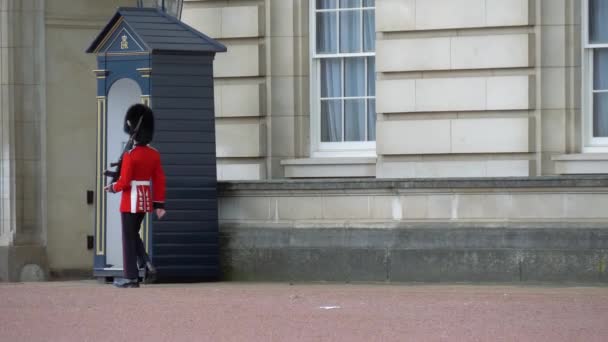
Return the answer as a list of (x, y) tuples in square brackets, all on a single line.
[(145, 55)]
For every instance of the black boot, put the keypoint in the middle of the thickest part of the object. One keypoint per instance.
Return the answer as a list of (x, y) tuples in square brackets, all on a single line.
[(149, 273), (125, 283)]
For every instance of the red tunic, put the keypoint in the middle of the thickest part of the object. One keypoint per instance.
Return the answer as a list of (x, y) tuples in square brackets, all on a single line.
[(141, 168)]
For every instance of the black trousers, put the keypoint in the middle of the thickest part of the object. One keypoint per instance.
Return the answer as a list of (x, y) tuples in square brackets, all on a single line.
[(132, 247)]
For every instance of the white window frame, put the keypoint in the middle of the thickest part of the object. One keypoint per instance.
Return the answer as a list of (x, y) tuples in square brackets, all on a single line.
[(319, 149), (590, 144)]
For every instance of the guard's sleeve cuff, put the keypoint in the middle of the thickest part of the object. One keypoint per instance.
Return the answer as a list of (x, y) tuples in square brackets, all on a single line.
[(158, 205)]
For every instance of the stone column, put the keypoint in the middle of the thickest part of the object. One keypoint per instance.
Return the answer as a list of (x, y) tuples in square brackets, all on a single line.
[(23, 122)]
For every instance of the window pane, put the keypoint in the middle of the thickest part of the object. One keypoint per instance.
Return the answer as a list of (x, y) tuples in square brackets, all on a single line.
[(371, 76), (331, 120), (350, 3), (371, 120), (598, 21), (324, 4), (369, 3), (350, 31), (369, 31), (354, 76), (600, 115), (354, 120), (600, 69), (331, 77), (327, 23)]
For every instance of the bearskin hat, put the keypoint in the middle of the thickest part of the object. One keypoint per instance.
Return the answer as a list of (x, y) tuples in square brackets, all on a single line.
[(146, 128)]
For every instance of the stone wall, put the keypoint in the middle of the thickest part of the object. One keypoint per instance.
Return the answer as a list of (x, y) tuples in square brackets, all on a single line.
[(70, 26), (456, 88), (498, 229)]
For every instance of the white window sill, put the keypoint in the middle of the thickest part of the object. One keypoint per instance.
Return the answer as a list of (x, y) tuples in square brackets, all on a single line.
[(330, 167), (581, 163)]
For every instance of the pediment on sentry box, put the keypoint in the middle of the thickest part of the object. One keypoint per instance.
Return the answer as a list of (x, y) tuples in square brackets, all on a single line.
[(121, 40)]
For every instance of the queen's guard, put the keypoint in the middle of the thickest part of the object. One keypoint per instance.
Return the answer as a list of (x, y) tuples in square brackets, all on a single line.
[(140, 178)]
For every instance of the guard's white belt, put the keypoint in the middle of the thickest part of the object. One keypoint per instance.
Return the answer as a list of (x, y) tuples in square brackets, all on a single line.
[(136, 183)]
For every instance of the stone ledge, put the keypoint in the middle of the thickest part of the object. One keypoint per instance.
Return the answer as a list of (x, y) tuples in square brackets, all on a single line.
[(579, 181), (329, 167), (581, 163)]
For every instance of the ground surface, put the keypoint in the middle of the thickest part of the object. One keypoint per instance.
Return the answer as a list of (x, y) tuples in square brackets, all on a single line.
[(87, 311)]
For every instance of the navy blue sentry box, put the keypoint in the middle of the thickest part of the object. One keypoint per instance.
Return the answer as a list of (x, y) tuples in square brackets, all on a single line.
[(145, 55)]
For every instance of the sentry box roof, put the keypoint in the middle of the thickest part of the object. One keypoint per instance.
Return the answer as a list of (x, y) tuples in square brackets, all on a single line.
[(150, 30)]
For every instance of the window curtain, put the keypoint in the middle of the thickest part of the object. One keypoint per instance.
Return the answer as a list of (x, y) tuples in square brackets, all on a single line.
[(598, 21), (331, 110), (600, 92), (598, 34)]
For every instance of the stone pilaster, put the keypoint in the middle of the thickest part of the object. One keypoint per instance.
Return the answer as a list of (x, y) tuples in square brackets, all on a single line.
[(22, 115)]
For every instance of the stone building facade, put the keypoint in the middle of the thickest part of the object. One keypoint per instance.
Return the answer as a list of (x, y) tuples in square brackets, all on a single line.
[(386, 140)]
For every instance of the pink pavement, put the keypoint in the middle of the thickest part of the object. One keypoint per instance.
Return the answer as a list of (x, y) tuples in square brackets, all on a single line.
[(88, 311)]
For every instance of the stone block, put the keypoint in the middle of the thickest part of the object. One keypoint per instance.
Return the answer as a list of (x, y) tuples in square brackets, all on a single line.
[(283, 95), (413, 54), (537, 206), (413, 137), (453, 265), (317, 238), (370, 238), (238, 100), (586, 206), (245, 208), (508, 168), (510, 13), (367, 265), (238, 264), (346, 207), (282, 58), (272, 264), (240, 171), (415, 207), (492, 51), (450, 94), (510, 92), (300, 208), (240, 22), (440, 206), (562, 265), (553, 38), (241, 60), (204, 19), (283, 136), (336, 169), (490, 135), (449, 168), (238, 139), (282, 19), (386, 208), (553, 88), (235, 237), (482, 206), (395, 15), (554, 131), (314, 264), (395, 96), (448, 14), (553, 12)]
